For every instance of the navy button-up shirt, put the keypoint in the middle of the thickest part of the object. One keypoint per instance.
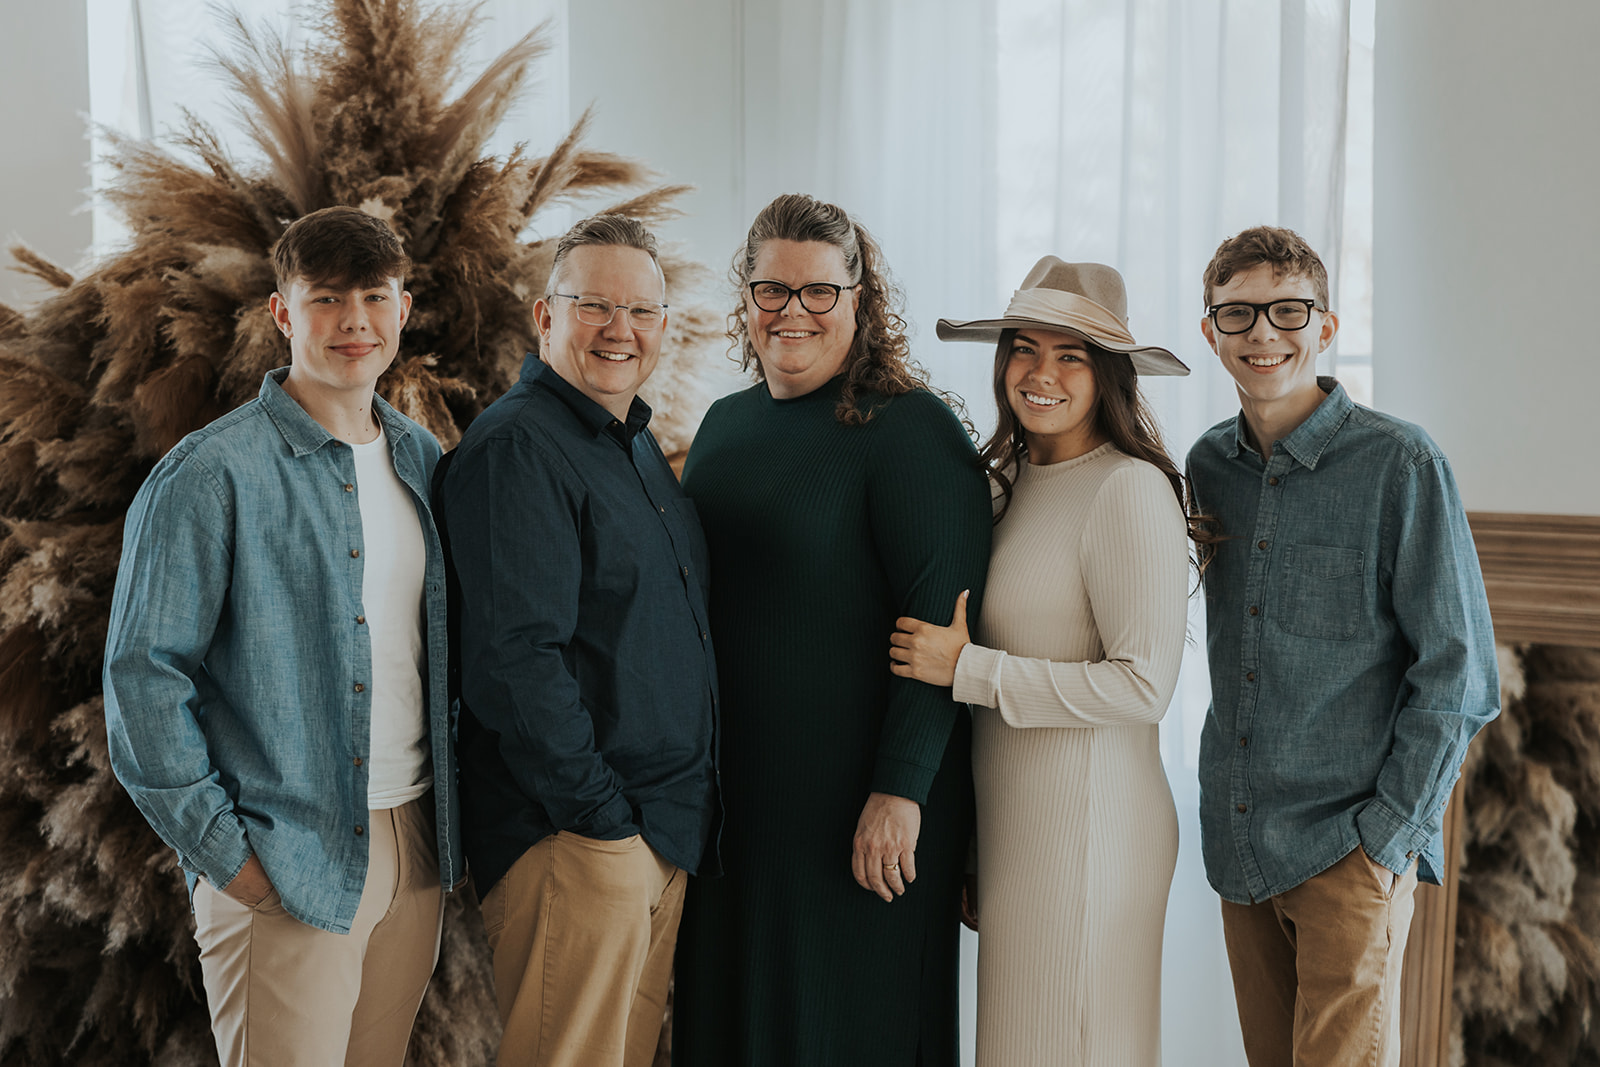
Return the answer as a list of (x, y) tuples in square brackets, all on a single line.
[(1352, 657), (238, 681), (588, 684)]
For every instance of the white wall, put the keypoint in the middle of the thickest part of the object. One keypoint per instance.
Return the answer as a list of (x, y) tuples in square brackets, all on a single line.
[(44, 92), (1486, 249)]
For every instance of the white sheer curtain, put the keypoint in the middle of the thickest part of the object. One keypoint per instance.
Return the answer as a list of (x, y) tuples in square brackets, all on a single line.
[(151, 60)]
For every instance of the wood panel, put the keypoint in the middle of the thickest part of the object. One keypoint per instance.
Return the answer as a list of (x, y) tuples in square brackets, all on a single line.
[(1430, 964), (1542, 573)]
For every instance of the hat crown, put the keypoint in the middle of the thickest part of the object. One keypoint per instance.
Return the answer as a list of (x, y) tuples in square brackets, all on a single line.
[(1092, 281)]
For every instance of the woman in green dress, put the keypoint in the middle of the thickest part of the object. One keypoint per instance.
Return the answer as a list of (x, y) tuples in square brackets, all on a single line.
[(838, 494)]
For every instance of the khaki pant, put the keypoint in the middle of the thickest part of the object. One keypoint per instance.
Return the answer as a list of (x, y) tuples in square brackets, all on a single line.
[(284, 994), (583, 933), (1316, 969)]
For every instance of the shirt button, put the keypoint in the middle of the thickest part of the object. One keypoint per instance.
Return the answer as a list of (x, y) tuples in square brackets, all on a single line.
[(686, 572), (360, 831), (360, 688), (704, 636), (1242, 809), (349, 488), (1244, 742), (1250, 676), (361, 620), (1272, 481), (355, 553), (661, 508), (1254, 610), (1410, 855), (1261, 545), (358, 761)]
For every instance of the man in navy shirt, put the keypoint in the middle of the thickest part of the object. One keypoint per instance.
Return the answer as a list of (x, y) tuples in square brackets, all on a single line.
[(1352, 660), (588, 687)]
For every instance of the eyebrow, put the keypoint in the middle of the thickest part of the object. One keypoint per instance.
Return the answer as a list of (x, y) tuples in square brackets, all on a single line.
[(1074, 343)]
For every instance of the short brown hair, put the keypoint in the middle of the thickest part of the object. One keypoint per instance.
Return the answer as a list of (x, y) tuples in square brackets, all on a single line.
[(604, 229), (1285, 250), (339, 246)]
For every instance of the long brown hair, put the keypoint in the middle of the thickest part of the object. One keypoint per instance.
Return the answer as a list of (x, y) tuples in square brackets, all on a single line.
[(1120, 415), (879, 360)]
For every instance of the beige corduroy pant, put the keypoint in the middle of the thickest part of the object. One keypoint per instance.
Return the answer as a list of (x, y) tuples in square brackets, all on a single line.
[(1316, 969), (284, 994), (583, 933)]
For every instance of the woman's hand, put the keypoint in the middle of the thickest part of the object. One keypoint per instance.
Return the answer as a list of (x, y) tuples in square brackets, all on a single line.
[(927, 652), (885, 856)]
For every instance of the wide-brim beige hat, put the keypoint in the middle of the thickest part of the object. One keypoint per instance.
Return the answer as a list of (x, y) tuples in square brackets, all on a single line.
[(1086, 299)]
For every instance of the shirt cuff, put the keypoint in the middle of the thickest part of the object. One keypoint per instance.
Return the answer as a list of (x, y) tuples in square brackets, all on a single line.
[(222, 854), (899, 778), (978, 676), (1388, 838), (611, 817)]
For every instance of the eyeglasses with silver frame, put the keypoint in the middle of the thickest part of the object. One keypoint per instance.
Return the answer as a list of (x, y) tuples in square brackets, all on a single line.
[(598, 311), (1289, 315), (819, 298)]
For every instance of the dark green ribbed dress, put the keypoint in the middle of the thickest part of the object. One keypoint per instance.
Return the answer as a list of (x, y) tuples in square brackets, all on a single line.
[(821, 535)]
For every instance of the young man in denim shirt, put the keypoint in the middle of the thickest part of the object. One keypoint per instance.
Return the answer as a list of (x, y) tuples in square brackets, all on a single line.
[(275, 678), (1352, 661)]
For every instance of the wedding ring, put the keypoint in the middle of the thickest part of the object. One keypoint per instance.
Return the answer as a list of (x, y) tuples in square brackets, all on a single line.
[(891, 866)]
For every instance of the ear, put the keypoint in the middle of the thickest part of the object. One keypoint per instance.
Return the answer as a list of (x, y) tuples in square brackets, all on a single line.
[(541, 322), (405, 308), (1330, 326), (280, 313), (1208, 333)]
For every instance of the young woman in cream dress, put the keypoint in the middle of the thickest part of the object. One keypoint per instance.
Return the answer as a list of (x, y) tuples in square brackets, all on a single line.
[(1069, 670)]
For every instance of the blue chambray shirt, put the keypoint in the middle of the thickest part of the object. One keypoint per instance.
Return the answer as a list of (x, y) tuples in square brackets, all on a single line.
[(1352, 657), (237, 678)]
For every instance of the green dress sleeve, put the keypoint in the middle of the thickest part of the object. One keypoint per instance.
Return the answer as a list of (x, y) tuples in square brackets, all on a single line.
[(928, 503)]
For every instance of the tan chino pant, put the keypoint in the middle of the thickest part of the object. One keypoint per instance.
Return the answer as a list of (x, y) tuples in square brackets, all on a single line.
[(583, 933), (284, 994), (1316, 969)]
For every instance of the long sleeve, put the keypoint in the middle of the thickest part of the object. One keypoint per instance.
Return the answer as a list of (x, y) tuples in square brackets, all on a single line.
[(173, 579), (514, 517), (1134, 561), (930, 515), (1452, 688)]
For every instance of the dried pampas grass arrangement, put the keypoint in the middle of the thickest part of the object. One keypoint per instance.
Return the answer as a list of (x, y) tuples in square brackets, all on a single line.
[(97, 959), (1527, 981)]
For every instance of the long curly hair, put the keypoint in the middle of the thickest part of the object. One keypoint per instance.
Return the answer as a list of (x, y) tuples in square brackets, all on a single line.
[(1120, 415), (879, 361)]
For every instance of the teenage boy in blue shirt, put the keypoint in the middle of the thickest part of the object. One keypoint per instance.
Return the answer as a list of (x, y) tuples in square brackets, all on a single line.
[(1352, 661), (275, 676)]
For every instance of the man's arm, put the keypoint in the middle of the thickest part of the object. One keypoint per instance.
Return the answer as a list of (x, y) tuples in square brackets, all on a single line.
[(514, 517), (1452, 688), (177, 562)]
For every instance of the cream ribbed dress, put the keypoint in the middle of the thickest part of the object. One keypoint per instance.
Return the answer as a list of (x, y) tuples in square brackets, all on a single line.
[(1072, 666)]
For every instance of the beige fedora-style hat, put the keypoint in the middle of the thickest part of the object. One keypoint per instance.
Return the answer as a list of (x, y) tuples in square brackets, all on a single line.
[(1086, 299)]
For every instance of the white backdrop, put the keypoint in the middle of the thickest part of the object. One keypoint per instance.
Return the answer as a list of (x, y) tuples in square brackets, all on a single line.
[(972, 137)]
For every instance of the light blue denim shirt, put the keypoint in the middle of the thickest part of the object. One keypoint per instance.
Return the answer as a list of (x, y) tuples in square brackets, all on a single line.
[(1352, 657), (237, 674)]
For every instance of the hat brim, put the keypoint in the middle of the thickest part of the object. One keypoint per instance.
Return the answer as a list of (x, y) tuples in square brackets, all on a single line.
[(1147, 359)]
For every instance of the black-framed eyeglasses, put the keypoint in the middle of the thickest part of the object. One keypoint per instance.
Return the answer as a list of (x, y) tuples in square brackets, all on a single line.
[(818, 298), (1284, 314), (598, 311)]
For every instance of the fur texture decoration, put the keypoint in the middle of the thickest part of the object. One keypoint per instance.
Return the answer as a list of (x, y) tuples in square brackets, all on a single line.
[(97, 958), (1527, 979)]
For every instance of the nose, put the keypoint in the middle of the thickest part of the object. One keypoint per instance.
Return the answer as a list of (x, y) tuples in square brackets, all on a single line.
[(356, 317), (612, 330), (1262, 329)]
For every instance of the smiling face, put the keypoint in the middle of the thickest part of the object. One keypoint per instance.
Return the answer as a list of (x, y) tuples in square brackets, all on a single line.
[(606, 363), (1050, 388), (1272, 367), (800, 350), (340, 338)]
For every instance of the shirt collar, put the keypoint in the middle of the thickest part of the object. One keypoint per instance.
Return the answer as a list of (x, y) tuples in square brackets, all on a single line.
[(1310, 439), (305, 434), (597, 419)]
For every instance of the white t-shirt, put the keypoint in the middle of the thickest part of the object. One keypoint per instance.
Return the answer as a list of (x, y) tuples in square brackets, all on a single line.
[(398, 763)]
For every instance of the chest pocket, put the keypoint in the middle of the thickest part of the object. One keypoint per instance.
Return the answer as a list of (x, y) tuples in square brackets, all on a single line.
[(1321, 591)]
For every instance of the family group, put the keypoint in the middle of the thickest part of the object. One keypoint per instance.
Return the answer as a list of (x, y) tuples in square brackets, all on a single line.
[(769, 733)]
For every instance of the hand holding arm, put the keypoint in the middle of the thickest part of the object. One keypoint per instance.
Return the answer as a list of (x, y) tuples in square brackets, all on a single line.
[(927, 652)]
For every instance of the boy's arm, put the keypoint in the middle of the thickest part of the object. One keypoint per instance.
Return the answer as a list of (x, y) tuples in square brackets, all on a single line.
[(177, 561), (1452, 688)]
